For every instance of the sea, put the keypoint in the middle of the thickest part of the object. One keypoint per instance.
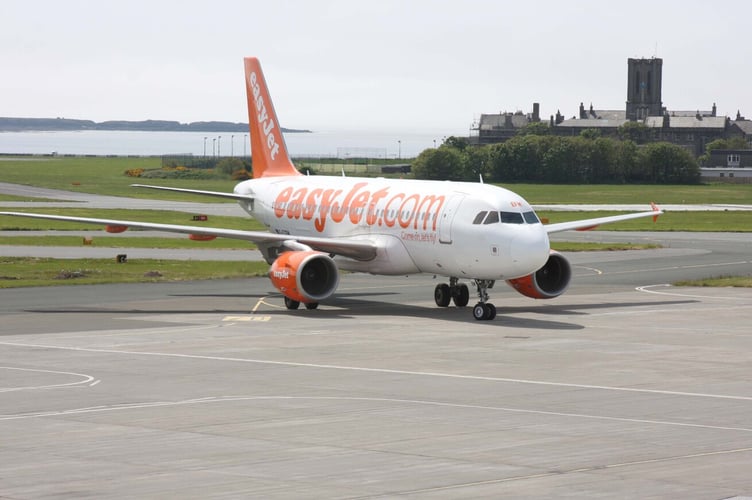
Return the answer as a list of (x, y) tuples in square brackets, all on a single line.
[(332, 144)]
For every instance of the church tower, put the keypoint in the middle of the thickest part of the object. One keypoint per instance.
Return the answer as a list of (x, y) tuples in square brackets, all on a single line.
[(644, 78)]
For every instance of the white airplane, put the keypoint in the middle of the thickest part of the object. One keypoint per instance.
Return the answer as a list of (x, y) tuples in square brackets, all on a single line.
[(318, 225)]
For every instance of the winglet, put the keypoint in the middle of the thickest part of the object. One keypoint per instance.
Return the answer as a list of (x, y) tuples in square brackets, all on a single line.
[(268, 147), (655, 209)]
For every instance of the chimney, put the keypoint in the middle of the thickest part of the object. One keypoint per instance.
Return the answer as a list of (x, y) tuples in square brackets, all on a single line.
[(582, 112), (666, 120), (536, 112), (714, 110)]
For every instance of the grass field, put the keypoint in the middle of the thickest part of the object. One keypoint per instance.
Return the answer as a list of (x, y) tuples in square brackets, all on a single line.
[(640, 194), (162, 216), (105, 176), (101, 175), (180, 242), (26, 271)]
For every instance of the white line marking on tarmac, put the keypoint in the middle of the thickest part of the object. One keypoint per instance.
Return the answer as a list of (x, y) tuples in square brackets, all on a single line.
[(648, 289), (247, 318), (592, 269), (230, 399), (674, 268), (86, 379), (385, 370)]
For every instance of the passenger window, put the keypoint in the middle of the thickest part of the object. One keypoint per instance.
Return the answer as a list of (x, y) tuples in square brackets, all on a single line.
[(511, 218), (479, 218), (493, 218)]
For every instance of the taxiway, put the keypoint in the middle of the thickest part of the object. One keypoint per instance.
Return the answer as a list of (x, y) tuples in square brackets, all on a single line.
[(622, 387)]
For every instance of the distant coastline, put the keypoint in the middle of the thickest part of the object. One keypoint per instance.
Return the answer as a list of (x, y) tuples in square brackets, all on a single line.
[(9, 124)]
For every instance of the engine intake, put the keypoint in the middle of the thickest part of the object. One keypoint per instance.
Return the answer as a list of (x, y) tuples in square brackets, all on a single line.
[(305, 276), (548, 282)]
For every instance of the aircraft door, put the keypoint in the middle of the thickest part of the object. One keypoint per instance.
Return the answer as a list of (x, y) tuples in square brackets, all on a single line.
[(447, 217)]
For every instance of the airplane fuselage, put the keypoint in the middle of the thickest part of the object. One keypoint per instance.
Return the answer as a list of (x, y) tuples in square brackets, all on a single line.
[(456, 229)]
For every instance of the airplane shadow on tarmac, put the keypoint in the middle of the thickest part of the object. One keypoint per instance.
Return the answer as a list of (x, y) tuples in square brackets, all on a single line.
[(351, 306)]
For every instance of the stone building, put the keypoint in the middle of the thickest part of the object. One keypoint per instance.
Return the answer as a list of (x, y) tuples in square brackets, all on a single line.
[(691, 129), (500, 127), (644, 84)]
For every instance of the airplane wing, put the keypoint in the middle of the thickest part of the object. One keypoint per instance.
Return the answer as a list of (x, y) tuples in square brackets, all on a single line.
[(588, 224), (232, 196), (355, 249)]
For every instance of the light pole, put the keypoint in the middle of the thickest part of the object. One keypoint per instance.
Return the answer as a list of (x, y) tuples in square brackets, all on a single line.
[(399, 149), (219, 145), (214, 147), (434, 144), (204, 147), (232, 145), (245, 141)]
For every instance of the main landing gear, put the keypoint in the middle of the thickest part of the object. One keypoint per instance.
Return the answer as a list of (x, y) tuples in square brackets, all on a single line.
[(444, 293), (294, 304)]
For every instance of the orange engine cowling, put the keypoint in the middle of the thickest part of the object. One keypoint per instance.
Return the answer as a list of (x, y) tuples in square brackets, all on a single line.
[(305, 276), (548, 282)]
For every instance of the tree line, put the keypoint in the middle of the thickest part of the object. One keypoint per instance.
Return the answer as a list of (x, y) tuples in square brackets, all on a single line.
[(541, 158)]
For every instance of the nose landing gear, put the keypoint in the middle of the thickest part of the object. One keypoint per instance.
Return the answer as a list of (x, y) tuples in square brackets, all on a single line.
[(484, 310)]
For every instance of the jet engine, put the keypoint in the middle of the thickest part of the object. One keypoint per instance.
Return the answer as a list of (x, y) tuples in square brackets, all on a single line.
[(304, 276), (548, 282)]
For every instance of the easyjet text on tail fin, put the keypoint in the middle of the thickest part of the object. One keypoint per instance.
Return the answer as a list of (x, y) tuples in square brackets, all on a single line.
[(268, 148)]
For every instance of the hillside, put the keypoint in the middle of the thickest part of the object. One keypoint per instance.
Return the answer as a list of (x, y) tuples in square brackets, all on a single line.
[(10, 124)]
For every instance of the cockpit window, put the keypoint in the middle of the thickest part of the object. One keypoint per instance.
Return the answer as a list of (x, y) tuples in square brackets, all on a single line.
[(512, 218), (530, 217), (493, 218), (479, 218)]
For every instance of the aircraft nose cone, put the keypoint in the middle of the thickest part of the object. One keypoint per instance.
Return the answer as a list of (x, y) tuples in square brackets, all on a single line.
[(530, 249)]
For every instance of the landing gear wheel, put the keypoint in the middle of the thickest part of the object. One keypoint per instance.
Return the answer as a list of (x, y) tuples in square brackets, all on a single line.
[(479, 311), (291, 304), (461, 296), (442, 295), (491, 311), (311, 305), (484, 312)]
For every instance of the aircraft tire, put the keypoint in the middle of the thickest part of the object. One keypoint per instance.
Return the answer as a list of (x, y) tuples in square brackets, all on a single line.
[(479, 311), (462, 297), (491, 311), (312, 305), (291, 304), (442, 295)]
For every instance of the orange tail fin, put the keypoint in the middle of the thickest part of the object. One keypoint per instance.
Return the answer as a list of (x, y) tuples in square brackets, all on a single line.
[(268, 148)]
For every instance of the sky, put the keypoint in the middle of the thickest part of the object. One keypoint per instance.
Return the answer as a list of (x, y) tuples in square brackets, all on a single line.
[(381, 65)]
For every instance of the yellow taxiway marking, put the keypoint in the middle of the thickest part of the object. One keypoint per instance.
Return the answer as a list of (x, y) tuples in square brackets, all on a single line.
[(246, 318)]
